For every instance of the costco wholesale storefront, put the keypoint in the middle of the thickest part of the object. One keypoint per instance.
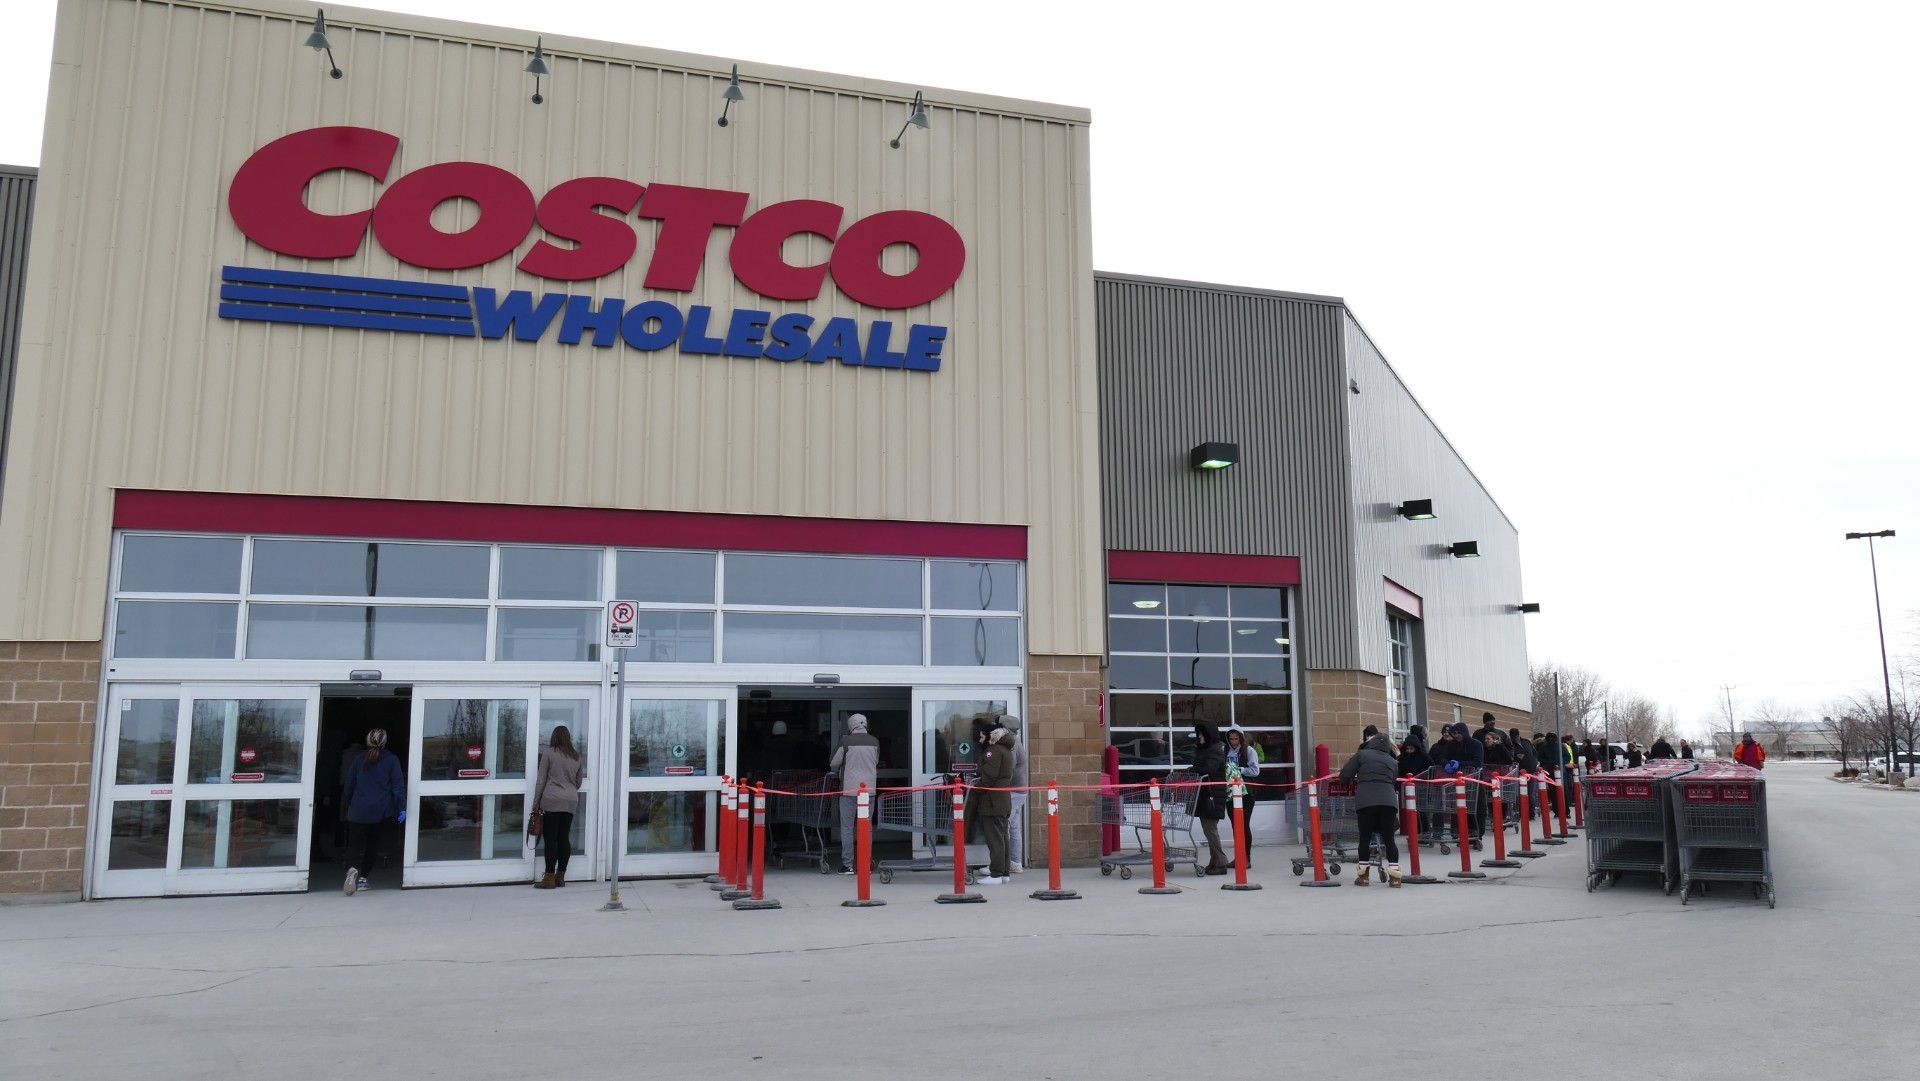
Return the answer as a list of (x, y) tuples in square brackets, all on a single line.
[(344, 403)]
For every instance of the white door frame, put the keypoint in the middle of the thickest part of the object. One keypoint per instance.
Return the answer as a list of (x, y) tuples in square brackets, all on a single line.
[(487, 868), (724, 729)]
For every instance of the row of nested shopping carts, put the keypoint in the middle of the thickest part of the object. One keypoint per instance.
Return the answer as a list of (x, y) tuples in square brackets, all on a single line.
[(1690, 822)]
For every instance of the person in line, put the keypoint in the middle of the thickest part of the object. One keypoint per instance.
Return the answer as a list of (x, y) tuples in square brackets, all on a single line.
[(1661, 749), (1017, 822), (1635, 759), (376, 790), (1371, 770), (988, 803), (1686, 750), (1243, 761), (1493, 749), (1466, 756), (1489, 726), (1750, 753), (1210, 765), (556, 792), (1415, 762), (857, 762), (1589, 754)]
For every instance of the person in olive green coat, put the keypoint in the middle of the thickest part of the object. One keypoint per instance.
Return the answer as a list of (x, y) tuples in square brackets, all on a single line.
[(990, 809)]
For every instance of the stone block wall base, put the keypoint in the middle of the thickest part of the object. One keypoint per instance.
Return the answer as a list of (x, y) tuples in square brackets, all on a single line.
[(49, 695)]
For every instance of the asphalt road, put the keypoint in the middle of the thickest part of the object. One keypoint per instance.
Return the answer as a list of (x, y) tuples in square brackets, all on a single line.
[(1526, 974)]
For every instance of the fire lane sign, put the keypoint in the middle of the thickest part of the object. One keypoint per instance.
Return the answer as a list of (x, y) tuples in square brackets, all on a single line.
[(620, 624)]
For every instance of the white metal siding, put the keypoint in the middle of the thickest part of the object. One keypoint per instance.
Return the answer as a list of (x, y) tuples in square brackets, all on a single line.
[(1476, 643), (128, 378)]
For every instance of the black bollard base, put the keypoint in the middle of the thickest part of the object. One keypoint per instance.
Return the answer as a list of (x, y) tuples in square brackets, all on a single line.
[(1548, 841), (1054, 895), (1322, 882), (748, 904), (960, 899), (735, 895), (1496, 863), (1240, 887), (1527, 854), (1160, 891), (1418, 880), (1461, 874), (857, 903)]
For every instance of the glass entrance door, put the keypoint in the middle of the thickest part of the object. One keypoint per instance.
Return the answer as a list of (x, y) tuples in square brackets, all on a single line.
[(206, 790), (943, 717), (680, 740), (470, 769), (575, 707)]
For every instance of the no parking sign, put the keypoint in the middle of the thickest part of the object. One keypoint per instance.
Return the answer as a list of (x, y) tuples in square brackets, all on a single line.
[(620, 624)]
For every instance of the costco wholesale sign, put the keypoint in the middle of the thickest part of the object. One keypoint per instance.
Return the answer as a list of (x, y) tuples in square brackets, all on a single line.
[(588, 217)]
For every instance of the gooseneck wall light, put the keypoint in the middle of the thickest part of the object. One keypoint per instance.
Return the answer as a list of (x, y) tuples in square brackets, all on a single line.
[(731, 94), (537, 67), (915, 119), (317, 41)]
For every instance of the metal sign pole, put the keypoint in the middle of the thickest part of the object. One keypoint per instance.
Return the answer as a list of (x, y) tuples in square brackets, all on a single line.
[(619, 705)]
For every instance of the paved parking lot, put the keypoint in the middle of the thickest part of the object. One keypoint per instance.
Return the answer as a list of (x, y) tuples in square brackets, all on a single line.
[(1429, 982)]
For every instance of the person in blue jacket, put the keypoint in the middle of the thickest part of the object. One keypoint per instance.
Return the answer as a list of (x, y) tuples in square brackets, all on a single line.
[(1464, 755), (376, 790)]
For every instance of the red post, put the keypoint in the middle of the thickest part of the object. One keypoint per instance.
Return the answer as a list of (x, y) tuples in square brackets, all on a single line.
[(959, 839), (742, 824), (1053, 892), (1313, 837), (726, 827), (1499, 831), (1460, 812), (1526, 813), (863, 851), (759, 843), (1159, 836), (1410, 824), (1242, 844)]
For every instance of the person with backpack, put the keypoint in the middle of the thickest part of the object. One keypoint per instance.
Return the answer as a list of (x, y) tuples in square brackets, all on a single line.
[(376, 790), (1372, 771)]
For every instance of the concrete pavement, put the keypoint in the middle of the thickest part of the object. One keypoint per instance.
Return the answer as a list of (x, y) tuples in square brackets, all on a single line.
[(1526, 973)]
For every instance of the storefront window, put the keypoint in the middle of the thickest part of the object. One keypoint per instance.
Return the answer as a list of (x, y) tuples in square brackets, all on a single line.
[(662, 577), (673, 637), (328, 568), (547, 634), (246, 740), (1400, 714), (976, 642), (550, 574), (1183, 654), (769, 638), (822, 581), (175, 629), (975, 587), (387, 632), (148, 729), (160, 564), (240, 833)]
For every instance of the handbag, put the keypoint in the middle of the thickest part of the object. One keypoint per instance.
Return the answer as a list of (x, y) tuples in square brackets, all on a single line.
[(536, 822)]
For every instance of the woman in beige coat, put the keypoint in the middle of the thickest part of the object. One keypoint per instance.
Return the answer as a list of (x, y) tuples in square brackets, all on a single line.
[(556, 792)]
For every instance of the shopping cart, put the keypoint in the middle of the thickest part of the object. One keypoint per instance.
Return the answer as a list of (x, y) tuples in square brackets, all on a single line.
[(1339, 824), (1720, 823), (1509, 780), (1436, 800), (799, 800), (1130, 808), (926, 817), (1630, 824)]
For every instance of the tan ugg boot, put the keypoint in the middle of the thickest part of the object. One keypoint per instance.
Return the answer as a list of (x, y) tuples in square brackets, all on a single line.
[(1360, 879), (1393, 876), (545, 883)]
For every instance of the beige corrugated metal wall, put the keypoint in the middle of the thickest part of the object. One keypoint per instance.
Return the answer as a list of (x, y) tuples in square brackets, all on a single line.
[(128, 378)]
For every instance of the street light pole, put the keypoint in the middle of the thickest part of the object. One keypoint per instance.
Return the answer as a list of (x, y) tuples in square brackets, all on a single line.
[(1886, 677)]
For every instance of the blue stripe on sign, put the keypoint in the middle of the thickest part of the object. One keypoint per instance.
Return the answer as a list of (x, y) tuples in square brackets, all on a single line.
[(343, 283), (357, 320), (322, 298)]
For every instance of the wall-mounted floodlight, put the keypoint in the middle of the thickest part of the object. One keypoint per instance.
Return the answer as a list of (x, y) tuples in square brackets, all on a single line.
[(317, 41), (1526, 609), (1464, 549), (537, 67), (1214, 455), (915, 119), (730, 95), (1416, 510)]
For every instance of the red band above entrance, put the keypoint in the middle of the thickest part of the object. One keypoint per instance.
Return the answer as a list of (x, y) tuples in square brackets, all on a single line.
[(326, 516), (1203, 567)]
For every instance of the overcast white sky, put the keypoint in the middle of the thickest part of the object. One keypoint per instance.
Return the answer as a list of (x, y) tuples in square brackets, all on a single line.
[(1651, 266)]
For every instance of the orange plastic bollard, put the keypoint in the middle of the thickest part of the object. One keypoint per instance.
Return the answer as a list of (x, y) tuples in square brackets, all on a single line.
[(1526, 850), (759, 899), (959, 896), (1159, 844), (1053, 892), (723, 831), (742, 824), (1499, 832), (1241, 843), (1412, 830), (1313, 838), (1466, 850), (863, 851)]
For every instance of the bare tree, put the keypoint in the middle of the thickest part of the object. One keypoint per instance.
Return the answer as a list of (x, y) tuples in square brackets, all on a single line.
[(1849, 731), (1636, 719), (1581, 692), (1777, 723)]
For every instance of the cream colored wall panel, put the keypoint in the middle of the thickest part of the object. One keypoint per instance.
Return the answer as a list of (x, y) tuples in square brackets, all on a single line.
[(129, 379)]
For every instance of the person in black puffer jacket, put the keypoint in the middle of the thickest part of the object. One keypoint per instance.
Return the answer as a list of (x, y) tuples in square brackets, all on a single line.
[(1372, 769), (1210, 763)]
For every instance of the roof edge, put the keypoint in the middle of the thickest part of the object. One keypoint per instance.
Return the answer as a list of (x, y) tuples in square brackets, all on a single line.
[(1214, 287)]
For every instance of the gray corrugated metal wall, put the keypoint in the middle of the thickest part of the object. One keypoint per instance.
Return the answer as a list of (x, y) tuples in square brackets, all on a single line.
[(16, 221), (1476, 644), (1182, 364)]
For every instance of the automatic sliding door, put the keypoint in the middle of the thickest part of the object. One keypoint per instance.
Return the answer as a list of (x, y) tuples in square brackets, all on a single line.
[(470, 772), (679, 742)]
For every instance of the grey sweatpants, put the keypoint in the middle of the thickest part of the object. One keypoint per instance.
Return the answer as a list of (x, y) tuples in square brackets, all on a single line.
[(849, 816), (1017, 830)]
